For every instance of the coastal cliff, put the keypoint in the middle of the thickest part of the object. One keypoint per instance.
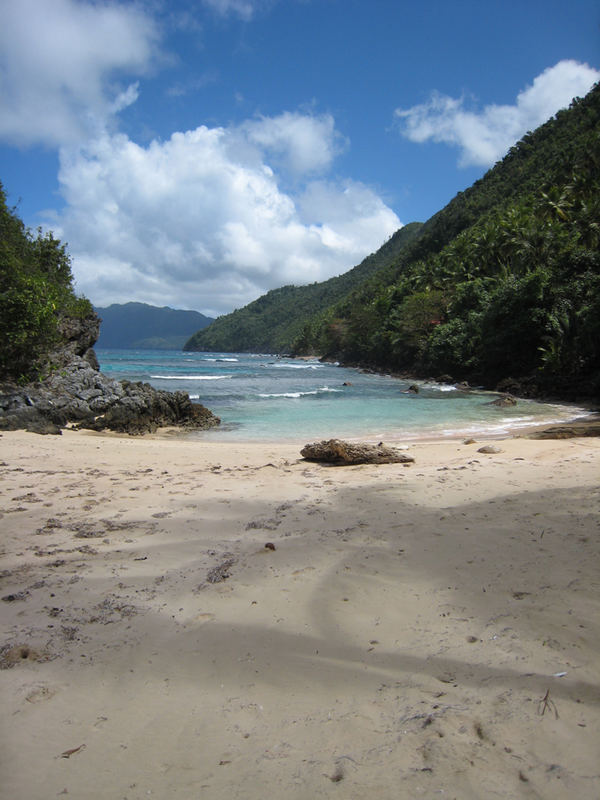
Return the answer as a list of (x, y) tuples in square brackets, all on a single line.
[(76, 392), (49, 373)]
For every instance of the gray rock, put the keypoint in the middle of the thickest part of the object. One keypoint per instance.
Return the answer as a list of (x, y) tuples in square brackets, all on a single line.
[(503, 402), (490, 449), (573, 430), (77, 392)]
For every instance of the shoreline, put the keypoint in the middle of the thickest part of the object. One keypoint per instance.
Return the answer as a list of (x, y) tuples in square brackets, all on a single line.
[(579, 416), (398, 636), (509, 423), (544, 396)]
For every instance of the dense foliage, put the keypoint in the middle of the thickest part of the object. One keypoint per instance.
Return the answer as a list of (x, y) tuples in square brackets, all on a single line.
[(36, 291), (273, 322), (502, 282)]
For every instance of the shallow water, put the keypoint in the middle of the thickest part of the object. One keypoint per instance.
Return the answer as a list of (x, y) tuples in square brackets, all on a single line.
[(268, 398)]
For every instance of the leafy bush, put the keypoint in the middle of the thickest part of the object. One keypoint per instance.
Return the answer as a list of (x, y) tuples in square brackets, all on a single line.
[(35, 292)]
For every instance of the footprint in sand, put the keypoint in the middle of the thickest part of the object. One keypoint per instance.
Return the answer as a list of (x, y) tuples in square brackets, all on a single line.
[(302, 571), (203, 617), (40, 693)]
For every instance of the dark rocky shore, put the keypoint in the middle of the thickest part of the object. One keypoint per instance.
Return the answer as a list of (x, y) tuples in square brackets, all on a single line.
[(77, 392)]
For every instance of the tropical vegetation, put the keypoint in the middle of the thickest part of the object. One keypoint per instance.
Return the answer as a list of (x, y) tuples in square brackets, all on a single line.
[(504, 282), (36, 293), (274, 322)]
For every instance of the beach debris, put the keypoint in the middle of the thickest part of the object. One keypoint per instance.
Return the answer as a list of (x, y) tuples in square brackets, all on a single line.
[(72, 752), (270, 546), (267, 524), (11, 598), (112, 609), (30, 497), (341, 453), (220, 573), (490, 449), (546, 703), (52, 524)]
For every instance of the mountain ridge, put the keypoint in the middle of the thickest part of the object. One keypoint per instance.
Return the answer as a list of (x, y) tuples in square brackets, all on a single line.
[(142, 326)]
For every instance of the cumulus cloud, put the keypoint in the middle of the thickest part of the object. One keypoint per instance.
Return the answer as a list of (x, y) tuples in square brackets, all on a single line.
[(59, 66), (485, 136), (201, 221), (210, 218), (300, 143)]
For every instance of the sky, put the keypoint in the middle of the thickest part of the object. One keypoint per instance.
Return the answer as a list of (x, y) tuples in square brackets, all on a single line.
[(197, 153)]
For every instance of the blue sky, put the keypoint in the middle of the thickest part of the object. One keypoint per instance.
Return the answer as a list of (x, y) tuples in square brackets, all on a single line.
[(197, 154)]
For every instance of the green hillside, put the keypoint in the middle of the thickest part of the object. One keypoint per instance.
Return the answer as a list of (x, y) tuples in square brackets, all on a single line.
[(37, 301), (273, 322), (504, 282)]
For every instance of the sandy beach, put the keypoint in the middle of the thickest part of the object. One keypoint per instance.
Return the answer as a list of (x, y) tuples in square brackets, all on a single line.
[(188, 619)]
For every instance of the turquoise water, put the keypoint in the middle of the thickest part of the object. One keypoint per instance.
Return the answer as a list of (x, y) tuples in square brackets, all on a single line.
[(264, 397)]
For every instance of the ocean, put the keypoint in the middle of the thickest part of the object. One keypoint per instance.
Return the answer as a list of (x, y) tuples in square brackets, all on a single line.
[(268, 398)]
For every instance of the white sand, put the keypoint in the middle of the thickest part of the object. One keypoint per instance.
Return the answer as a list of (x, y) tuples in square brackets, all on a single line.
[(397, 643)]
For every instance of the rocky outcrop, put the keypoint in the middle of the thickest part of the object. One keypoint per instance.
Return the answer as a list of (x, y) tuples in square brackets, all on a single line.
[(336, 451), (76, 392), (79, 335), (572, 430), (505, 401)]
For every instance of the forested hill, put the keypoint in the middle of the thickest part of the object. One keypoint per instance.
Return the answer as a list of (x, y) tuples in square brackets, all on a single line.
[(142, 326), (274, 322), (39, 310), (504, 282)]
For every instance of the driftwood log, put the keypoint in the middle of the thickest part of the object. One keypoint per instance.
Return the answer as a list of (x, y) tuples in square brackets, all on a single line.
[(336, 451)]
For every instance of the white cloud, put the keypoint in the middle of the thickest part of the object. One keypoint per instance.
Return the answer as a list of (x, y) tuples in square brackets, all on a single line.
[(58, 64), (300, 143), (201, 221), (485, 136)]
